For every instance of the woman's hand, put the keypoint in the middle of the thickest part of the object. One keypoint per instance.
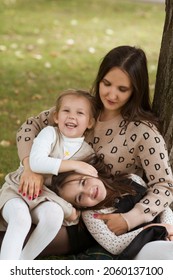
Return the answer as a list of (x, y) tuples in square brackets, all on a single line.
[(85, 168), (115, 222), (30, 183)]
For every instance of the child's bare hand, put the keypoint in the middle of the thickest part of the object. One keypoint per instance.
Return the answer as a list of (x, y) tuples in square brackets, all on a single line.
[(85, 168), (74, 216), (78, 166)]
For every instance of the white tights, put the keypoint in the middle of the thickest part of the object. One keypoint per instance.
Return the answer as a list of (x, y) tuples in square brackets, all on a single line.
[(48, 216), (156, 250)]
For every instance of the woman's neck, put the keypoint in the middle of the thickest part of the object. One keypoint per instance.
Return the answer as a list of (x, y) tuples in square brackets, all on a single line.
[(107, 115)]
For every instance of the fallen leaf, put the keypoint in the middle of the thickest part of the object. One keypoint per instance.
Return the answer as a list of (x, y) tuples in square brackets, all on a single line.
[(36, 97), (5, 143)]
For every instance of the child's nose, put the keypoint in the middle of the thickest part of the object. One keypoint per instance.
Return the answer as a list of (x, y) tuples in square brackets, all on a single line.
[(71, 116)]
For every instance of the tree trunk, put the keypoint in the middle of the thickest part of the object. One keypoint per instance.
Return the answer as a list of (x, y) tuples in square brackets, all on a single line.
[(163, 96)]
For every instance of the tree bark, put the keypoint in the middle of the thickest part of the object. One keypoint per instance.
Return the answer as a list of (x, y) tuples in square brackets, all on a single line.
[(163, 96)]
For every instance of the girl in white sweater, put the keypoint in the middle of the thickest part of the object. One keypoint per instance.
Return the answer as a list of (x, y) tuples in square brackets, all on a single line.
[(56, 149)]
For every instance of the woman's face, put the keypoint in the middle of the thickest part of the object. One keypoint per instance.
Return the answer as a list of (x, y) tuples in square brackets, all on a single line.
[(83, 191), (115, 90)]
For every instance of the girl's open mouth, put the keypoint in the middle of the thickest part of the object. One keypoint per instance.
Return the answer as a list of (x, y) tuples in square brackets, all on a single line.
[(70, 125)]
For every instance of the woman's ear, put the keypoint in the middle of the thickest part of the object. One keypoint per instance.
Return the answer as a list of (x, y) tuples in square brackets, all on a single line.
[(55, 117)]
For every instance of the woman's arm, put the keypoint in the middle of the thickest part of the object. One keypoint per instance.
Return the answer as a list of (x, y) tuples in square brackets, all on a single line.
[(30, 129), (150, 151), (119, 223), (43, 161), (31, 183)]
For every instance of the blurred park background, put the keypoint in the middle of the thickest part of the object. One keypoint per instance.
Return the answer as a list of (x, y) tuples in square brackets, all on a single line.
[(47, 46)]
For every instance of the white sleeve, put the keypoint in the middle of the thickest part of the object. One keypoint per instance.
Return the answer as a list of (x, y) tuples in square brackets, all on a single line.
[(40, 161), (166, 217), (106, 238)]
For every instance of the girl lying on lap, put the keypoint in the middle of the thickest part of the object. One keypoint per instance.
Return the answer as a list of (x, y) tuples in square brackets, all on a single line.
[(109, 194)]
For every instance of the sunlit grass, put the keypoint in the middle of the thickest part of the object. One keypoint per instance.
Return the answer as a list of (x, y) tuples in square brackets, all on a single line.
[(48, 46)]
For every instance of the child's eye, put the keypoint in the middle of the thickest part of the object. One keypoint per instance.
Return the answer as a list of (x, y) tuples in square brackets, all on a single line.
[(83, 182), (79, 197), (81, 113)]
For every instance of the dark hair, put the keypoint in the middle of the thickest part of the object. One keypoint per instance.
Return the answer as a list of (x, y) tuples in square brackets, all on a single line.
[(116, 185), (133, 62)]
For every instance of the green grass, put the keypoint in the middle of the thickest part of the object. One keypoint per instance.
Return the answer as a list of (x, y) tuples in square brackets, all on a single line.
[(48, 46)]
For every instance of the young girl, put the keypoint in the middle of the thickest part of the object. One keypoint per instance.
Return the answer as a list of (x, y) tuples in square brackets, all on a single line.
[(125, 135), (111, 194), (56, 149)]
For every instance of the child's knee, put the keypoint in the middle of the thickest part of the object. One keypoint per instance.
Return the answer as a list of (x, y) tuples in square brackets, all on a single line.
[(55, 217), (50, 215), (17, 212)]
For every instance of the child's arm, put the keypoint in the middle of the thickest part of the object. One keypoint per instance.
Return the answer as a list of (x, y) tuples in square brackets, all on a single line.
[(166, 216), (42, 162), (106, 238), (31, 183), (77, 166), (109, 240), (74, 217)]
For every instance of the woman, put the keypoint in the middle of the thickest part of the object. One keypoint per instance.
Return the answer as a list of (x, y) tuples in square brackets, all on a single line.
[(125, 135)]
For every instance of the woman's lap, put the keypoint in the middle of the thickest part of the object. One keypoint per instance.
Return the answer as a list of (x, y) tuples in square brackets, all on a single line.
[(82, 240), (69, 240)]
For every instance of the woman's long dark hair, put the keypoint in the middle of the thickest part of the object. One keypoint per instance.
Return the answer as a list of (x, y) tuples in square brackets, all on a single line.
[(133, 62), (116, 186)]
